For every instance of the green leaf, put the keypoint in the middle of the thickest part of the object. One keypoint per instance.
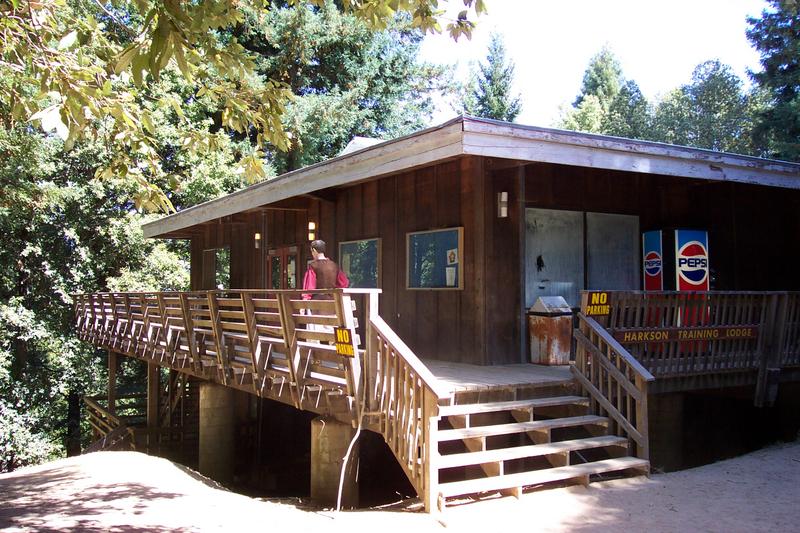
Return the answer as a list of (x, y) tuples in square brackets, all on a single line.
[(125, 58), (182, 64), (147, 122), (68, 40)]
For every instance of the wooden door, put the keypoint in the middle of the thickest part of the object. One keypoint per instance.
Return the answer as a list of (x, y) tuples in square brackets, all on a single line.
[(282, 268)]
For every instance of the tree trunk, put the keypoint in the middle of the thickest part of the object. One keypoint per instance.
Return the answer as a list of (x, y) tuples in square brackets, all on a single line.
[(73, 424)]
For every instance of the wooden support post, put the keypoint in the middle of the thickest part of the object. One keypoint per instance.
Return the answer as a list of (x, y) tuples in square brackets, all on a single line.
[(153, 390), (330, 440), (430, 495), (643, 451), (112, 382), (216, 431), (770, 350)]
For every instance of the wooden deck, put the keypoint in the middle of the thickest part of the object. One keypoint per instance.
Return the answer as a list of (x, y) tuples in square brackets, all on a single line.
[(462, 377)]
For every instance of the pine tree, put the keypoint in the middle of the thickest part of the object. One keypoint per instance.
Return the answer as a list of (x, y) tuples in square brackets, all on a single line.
[(603, 78), (490, 93), (776, 35)]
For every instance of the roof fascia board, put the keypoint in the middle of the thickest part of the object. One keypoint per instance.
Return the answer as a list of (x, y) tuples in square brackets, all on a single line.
[(569, 148), (408, 152)]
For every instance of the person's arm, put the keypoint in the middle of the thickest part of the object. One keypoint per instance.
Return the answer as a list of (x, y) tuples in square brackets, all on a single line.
[(341, 280), (309, 282)]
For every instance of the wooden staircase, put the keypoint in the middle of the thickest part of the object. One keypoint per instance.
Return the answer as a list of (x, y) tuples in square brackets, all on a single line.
[(510, 445)]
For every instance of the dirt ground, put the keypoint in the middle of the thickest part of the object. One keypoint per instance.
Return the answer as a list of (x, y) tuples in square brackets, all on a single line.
[(126, 491)]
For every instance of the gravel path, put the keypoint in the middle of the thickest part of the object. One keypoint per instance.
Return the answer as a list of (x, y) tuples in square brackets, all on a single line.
[(127, 491)]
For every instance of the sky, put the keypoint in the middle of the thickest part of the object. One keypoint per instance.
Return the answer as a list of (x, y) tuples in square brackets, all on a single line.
[(658, 43)]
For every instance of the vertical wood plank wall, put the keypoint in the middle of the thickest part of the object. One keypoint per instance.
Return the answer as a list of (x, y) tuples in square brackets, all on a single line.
[(750, 232), (753, 230)]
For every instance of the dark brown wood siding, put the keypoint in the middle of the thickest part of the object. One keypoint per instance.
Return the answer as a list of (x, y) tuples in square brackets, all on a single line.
[(752, 229)]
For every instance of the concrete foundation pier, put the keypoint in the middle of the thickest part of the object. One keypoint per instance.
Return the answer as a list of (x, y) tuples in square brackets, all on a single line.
[(216, 432), (329, 441)]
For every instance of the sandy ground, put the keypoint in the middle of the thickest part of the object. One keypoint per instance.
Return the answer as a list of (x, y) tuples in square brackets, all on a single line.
[(126, 491)]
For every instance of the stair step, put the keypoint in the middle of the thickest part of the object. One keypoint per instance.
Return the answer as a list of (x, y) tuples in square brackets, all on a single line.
[(520, 427), (474, 408), (536, 450), (538, 477)]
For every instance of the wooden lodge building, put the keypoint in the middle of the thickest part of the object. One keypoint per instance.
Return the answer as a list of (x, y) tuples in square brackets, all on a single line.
[(450, 235)]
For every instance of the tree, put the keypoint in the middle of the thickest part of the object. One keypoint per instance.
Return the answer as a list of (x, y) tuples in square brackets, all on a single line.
[(629, 113), (607, 103), (776, 35), (66, 65), (347, 78), (588, 116), (602, 78), (489, 94), (711, 112)]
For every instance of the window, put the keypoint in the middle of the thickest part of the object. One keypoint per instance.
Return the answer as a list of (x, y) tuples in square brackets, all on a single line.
[(222, 268), (361, 262), (435, 259)]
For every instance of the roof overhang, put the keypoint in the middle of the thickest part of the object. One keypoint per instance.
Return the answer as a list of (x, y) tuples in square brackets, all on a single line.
[(488, 138)]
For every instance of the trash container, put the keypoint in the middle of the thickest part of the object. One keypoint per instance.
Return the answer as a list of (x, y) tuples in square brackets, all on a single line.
[(550, 328)]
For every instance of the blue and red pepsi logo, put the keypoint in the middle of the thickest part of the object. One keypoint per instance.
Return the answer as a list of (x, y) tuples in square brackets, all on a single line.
[(693, 263), (652, 263)]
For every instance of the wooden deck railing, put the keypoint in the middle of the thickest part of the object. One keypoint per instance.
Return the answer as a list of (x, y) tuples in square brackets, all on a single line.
[(276, 345), (789, 351), (270, 343), (615, 381), (404, 395), (683, 333)]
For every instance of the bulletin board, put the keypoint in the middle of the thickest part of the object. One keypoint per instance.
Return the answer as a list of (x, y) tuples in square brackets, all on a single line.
[(434, 259)]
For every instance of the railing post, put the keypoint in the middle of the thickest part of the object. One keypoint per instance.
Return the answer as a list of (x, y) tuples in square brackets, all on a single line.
[(188, 328), (770, 350), (222, 357), (371, 350), (431, 462), (642, 419), (153, 390), (293, 352)]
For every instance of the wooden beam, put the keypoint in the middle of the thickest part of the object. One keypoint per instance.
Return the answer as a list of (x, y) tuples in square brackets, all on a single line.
[(416, 150), (112, 381), (511, 141), (153, 389)]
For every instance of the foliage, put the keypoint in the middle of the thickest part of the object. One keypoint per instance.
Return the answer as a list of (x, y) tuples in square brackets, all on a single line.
[(602, 78), (600, 90), (629, 113), (347, 79), (776, 35), (63, 232), (68, 64), (711, 112), (589, 116), (19, 445), (489, 92)]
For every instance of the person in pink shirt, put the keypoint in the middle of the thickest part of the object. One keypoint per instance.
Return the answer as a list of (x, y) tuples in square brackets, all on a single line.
[(322, 273)]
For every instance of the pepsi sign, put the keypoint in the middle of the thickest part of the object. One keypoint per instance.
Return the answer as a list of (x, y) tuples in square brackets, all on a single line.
[(652, 263), (691, 260)]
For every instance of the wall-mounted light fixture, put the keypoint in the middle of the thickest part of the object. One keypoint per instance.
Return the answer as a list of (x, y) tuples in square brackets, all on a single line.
[(312, 231), (502, 204), (257, 239)]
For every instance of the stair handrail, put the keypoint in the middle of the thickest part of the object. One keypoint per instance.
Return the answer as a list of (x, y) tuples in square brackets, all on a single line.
[(104, 422), (409, 357), (615, 381), (405, 394)]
